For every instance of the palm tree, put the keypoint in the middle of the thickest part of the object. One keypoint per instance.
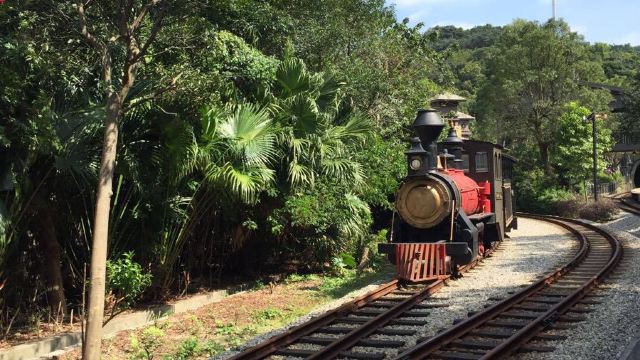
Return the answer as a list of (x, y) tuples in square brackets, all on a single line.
[(238, 146), (316, 133)]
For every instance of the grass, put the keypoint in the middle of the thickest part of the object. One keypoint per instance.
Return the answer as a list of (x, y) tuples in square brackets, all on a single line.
[(218, 327), (338, 286)]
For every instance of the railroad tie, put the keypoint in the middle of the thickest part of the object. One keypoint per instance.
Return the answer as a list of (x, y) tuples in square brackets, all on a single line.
[(349, 354)]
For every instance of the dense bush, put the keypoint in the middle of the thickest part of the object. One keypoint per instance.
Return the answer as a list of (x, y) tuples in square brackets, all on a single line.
[(323, 222), (537, 193), (568, 208), (126, 280), (603, 210)]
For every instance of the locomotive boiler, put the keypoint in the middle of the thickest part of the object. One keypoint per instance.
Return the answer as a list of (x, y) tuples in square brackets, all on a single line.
[(444, 209)]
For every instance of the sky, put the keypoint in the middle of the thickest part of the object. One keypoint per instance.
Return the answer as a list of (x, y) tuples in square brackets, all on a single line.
[(610, 21)]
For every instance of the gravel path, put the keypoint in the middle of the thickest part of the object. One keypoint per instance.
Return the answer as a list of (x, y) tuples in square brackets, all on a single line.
[(530, 253), (615, 322)]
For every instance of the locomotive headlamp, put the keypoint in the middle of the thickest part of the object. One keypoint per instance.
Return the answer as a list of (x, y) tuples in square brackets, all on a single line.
[(416, 156), (415, 164)]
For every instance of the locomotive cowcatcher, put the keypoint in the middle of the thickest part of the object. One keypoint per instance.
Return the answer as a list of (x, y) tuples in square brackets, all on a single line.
[(449, 210)]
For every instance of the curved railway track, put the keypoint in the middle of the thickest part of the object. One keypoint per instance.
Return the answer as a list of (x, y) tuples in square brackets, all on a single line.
[(554, 302), (626, 203), (404, 305)]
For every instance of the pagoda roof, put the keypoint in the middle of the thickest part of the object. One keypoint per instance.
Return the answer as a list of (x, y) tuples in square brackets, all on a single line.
[(462, 116), (447, 96)]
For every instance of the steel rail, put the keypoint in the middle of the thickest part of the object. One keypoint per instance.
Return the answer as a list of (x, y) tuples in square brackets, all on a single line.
[(629, 206), (527, 332), (270, 346), (625, 204), (339, 346), (334, 349)]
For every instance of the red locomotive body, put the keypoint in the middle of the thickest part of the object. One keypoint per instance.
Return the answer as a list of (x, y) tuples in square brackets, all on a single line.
[(475, 198)]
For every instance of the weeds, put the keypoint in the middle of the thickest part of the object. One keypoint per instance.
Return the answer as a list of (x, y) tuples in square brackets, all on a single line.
[(188, 348), (268, 314), (150, 340)]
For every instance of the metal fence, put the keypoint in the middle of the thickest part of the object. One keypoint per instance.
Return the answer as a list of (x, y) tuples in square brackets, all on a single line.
[(603, 188)]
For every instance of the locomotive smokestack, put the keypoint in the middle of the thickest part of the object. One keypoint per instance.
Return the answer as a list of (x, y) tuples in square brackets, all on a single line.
[(453, 143), (428, 125)]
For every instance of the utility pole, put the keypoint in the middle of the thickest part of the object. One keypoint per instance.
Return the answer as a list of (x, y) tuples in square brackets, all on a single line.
[(594, 134), (553, 9)]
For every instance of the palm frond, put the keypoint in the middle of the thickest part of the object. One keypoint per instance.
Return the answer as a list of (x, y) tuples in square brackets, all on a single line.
[(300, 175), (209, 118), (250, 135), (355, 226), (343, 170), (328, 98), (293, 77), (303, 115), (244, 182)]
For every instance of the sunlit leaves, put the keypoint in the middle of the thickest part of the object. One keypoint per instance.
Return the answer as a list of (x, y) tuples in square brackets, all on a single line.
[(242, 141)]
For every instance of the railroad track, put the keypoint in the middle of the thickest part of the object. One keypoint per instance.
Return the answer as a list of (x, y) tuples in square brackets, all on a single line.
[(554, 302), (351, 324), (626, 203)]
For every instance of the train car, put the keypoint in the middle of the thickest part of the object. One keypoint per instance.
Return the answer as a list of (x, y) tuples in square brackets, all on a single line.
[(454, 204)]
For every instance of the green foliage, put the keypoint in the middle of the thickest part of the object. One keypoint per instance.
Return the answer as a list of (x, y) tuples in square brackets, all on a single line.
[(150, 340), (536, 70), (575, 145), (188, 347), (326, 220), (343, 261), (236, 148), (192, 347), (538, 193), (126, 280), (267, 315), (384, 163)]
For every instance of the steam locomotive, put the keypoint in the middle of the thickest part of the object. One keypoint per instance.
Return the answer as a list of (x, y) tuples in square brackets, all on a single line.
[(449, 209)]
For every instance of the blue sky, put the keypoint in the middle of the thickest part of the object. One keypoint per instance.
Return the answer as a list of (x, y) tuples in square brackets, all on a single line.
[(610, 21)]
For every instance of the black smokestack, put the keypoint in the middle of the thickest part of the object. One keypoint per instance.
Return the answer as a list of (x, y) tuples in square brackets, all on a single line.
[(428, 125)]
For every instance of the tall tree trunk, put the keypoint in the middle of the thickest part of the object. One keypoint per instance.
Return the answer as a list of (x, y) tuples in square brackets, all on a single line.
[(93, 336), (50, 248), (544, 157)]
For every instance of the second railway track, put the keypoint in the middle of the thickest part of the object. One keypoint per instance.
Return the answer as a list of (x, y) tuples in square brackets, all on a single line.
[(626, 203), (554, 302)]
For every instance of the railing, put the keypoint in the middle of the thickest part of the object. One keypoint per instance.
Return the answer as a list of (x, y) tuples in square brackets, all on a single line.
[(603, 188), (629, 139)]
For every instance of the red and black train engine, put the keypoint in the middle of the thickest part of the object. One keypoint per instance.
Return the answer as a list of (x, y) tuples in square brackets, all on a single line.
[(454, 204)]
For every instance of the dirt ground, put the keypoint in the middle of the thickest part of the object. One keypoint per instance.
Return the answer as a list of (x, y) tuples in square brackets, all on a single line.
[(221, 326)]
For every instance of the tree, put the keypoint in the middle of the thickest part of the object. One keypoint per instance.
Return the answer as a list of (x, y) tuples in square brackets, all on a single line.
[(535, 71), (112, 30), (629, 131), (575, 145)]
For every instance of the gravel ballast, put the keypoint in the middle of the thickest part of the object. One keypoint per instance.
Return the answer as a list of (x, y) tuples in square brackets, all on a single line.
[(615, 323), (531, 252)]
